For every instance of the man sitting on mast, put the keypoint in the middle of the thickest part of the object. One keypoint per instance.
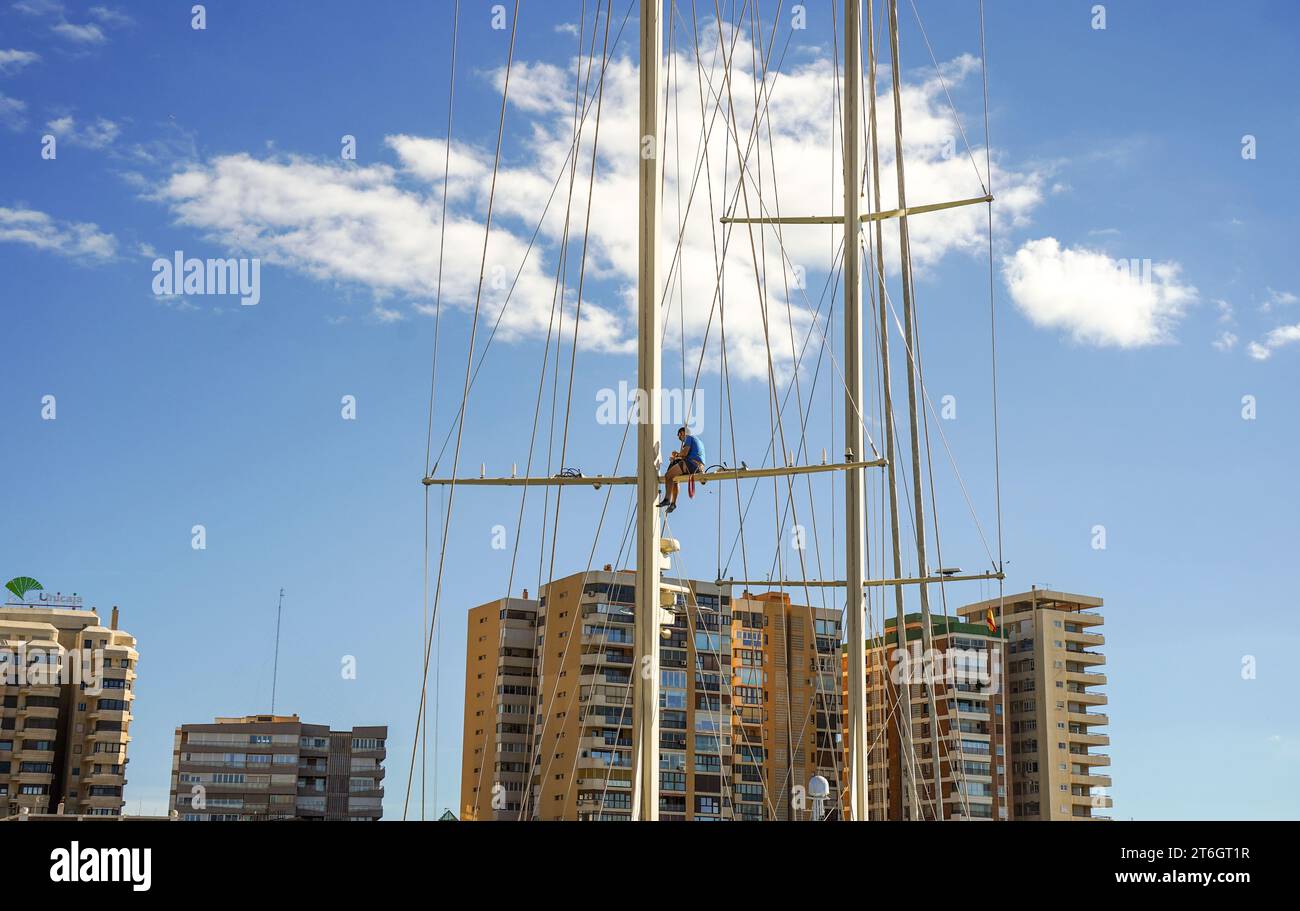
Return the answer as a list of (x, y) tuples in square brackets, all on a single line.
[(689, 460)]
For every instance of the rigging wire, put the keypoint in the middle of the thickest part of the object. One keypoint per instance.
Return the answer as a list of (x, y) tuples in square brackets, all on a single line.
[(487, 230), (428, 445)]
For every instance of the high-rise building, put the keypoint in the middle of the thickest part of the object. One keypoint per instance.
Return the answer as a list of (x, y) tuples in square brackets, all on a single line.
[(66, 692), (500, 701), (275, 767), (750, 703), (548, 704), (1053, 671), (787, 700), (965, 669), (582, 728)]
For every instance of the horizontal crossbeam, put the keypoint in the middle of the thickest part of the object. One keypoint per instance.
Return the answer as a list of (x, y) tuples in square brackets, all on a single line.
[(867, 583), (596, 481), (867, 216)]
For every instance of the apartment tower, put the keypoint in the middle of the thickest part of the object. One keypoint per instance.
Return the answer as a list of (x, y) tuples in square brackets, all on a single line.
[(500, 701), (750, 704), (788, 707), (66, 693), (965, 669), (1054, 716), (261, 767)]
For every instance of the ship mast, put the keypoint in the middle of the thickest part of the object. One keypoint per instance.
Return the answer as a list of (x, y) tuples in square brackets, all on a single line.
[(855, 504), (645, 699)]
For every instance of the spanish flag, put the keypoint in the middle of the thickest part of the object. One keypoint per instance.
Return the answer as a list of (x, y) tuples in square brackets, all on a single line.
[(988, 618)]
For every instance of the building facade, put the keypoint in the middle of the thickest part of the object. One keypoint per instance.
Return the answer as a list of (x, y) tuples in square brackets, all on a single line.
[(500, 701), (788, 701), (1054, 707), (750, 704), (965, 670), (260, 767), (66, 695)]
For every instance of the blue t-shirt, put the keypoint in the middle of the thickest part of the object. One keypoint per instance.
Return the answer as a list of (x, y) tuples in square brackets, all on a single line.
[(692, 451)]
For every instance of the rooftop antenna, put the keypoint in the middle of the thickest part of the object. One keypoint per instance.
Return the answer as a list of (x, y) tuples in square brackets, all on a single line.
[(275, 668)]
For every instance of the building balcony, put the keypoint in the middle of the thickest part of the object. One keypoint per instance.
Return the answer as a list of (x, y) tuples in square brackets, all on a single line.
[(38, 711), (1090, 739), (121, 715), (36, 803), (600, 743), (607, 699), (516, 662), (104, 778), (1094, 781), (1088, 718), (1082, 656), (1083, 638), (1096, 801), (43, 689), (108, 737), (1086, 697), (1089, 759), (598, 784), (1085, 679)]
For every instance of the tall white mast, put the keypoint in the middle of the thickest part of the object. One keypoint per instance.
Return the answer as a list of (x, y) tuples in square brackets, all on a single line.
[(913, 371), (855, 510), (645, 703), (904, 719)]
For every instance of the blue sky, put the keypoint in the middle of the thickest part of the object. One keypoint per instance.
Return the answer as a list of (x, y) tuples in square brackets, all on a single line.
[(1121, 401)]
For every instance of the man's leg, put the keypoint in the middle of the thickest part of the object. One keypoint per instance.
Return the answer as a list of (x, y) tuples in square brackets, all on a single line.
[(683, 468), (670, 483), (686, 468)]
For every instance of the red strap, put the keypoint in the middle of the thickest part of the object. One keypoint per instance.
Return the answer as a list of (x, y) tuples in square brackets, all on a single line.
[(690, 487)]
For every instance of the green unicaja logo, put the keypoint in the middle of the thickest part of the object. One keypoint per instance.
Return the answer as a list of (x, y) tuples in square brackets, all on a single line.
[(22, 585)]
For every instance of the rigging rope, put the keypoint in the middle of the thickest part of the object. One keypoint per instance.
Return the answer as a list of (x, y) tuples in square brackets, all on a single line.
[(487, 230)]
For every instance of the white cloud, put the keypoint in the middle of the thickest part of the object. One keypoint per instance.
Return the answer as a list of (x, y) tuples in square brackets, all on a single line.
[(110, 16), (1277, 338), (387, 314), (80, 34), (38, 7), (1277, 299), (95, 135), (378, 225), (1226, 312), (1225, 342), (11, 61), (12, 112), (39, 230), (1096, 299)]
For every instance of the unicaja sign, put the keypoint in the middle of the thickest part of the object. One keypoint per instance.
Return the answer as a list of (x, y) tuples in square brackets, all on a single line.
[(23, 585), (33, 665)]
